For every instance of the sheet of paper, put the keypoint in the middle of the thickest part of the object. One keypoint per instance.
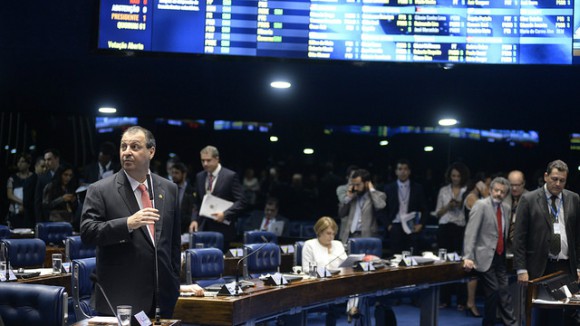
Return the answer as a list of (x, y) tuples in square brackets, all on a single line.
[(212, 204)]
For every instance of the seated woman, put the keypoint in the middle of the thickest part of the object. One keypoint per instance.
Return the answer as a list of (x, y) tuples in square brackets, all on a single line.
[(59, 196), (324, 251)]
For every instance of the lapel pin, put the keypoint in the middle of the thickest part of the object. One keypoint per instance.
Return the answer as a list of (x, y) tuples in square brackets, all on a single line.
[(160, 196)]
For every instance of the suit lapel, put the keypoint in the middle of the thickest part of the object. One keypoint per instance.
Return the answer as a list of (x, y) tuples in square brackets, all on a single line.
[(159, 204), (125, 191), (543, 205)]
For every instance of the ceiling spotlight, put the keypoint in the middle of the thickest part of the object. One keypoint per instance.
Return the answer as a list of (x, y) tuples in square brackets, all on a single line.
[(448, 122), (428, 148), (107, 110), (308, 151), (384, 142), (280, 84), (273, 139)]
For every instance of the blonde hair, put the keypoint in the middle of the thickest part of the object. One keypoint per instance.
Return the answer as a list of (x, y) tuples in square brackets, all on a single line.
[(324, 223)]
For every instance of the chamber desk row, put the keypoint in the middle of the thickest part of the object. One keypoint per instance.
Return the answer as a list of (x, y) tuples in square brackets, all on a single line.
[(261, 302)]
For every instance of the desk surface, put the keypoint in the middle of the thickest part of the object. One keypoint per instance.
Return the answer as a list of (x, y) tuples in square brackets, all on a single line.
[(261, 301), (63, 279), (164, 322)]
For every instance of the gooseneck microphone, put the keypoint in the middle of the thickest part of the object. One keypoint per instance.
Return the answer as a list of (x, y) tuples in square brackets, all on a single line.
[(157, 308), (244, 258), (95, 280)]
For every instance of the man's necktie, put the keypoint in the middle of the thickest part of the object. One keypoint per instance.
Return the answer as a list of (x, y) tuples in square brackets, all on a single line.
[(555, 245), (499, 248), (147, 203), (266, 224), (209, 182)]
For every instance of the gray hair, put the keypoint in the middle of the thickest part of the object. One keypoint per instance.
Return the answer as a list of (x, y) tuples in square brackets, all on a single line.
[(212, 150), (502, 181)]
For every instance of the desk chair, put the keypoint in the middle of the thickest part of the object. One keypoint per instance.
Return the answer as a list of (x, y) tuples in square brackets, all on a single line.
[(82, 288), (298, 245), (25, 253), (262, 258), (256, 237), (368, 246), (53, 233), (4, 232), (33, 304), (204, 266), (76, 249), (209, 239)]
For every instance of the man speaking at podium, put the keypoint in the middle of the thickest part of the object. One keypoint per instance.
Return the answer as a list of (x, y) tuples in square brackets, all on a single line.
[(133, 219)]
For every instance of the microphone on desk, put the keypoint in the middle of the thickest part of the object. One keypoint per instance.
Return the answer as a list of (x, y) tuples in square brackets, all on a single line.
[(157, 308), (244, 258), (95, 280)]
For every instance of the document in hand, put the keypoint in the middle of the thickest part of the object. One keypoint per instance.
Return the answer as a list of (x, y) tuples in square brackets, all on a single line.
[(212, 204)]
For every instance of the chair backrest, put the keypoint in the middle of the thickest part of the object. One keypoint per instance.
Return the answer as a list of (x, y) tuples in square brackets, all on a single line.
[(209, 239), (298, 253), (82, 286), (4, 232), (262, 258), (53, 233), (204, 266), (76, 249), (25, 252), (307, 231), (33, 304), (257, 237), (368, 246)]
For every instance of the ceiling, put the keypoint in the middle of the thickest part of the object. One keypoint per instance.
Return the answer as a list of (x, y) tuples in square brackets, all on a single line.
[(48, 62)]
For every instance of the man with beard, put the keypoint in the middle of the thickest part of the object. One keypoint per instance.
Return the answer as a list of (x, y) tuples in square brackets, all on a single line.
[(360, 208)]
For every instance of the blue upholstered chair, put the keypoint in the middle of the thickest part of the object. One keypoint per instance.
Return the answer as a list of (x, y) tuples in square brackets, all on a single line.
[(33, 304), (368, 246), (204, 266), (262, 258), (4, 232), (209, 239), (25, 252), (298, 245), (76, 249), (256, 237), (53, 233), (82, 288)]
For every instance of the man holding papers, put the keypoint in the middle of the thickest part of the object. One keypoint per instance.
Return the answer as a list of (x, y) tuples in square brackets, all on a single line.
[(222, 185)]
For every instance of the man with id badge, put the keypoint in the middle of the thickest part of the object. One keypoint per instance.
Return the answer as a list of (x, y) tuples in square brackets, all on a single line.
[(545, 238)]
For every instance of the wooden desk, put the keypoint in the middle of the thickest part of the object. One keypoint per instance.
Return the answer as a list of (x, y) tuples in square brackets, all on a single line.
[(264, 301), (164, 322), (532, 293), (63, 279), (231, 263)]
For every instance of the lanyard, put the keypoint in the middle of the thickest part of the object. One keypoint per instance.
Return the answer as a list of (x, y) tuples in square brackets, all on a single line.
[(559, 208)]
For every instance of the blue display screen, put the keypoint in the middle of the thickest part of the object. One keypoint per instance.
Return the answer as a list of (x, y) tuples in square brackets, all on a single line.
[(441, 31)]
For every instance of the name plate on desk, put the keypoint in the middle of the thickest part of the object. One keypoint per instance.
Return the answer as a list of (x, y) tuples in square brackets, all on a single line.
[(11, 276), (287, 249), (364, 266), (408, 261), (453, 256), (230, 289), (274, 279), (235, 252)]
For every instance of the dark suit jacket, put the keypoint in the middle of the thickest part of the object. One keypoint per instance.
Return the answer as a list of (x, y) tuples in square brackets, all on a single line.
[(228, 187), (533, 230), (126, 260), (40, 211), (254, 222), (417, 201), (186, 207)]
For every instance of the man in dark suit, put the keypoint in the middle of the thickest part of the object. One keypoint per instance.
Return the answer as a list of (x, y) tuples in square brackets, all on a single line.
[(223, 183), (546, 230), (266, 220), (103, 167), (404, 197), (185, 194), (130, 220), (52, 162), (485, 247)]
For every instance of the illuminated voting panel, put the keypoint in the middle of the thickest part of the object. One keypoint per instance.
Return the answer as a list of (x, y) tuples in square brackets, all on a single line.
[(441, 31)]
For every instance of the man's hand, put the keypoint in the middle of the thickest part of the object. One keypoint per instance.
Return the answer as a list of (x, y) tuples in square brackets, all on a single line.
[(193, 226), (468, 264), (192, 288), (146, 216), (69, 197), (417, 228), (523, 278), (219, 217)]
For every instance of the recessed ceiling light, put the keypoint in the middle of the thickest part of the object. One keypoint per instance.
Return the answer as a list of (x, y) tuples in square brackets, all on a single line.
[(428, 148), (448, 122), (280, 84), (107, 110), (384, 142), (273, 139), (308, 151)]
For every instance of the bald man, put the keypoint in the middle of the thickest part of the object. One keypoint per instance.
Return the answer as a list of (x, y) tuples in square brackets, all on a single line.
[(518, 188)]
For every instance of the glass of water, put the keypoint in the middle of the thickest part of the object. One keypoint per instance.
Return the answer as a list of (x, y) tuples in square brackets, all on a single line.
[(442, 254), (124, 313), (312, 268), (56, 263)]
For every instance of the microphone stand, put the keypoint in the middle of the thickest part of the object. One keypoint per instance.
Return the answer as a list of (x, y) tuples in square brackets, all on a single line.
[(157, 308), (244, 258), (94, 279)]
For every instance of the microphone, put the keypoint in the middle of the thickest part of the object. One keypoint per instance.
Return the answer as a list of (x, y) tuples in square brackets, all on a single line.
[(93, 277), (157, 308), (244, 258)]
